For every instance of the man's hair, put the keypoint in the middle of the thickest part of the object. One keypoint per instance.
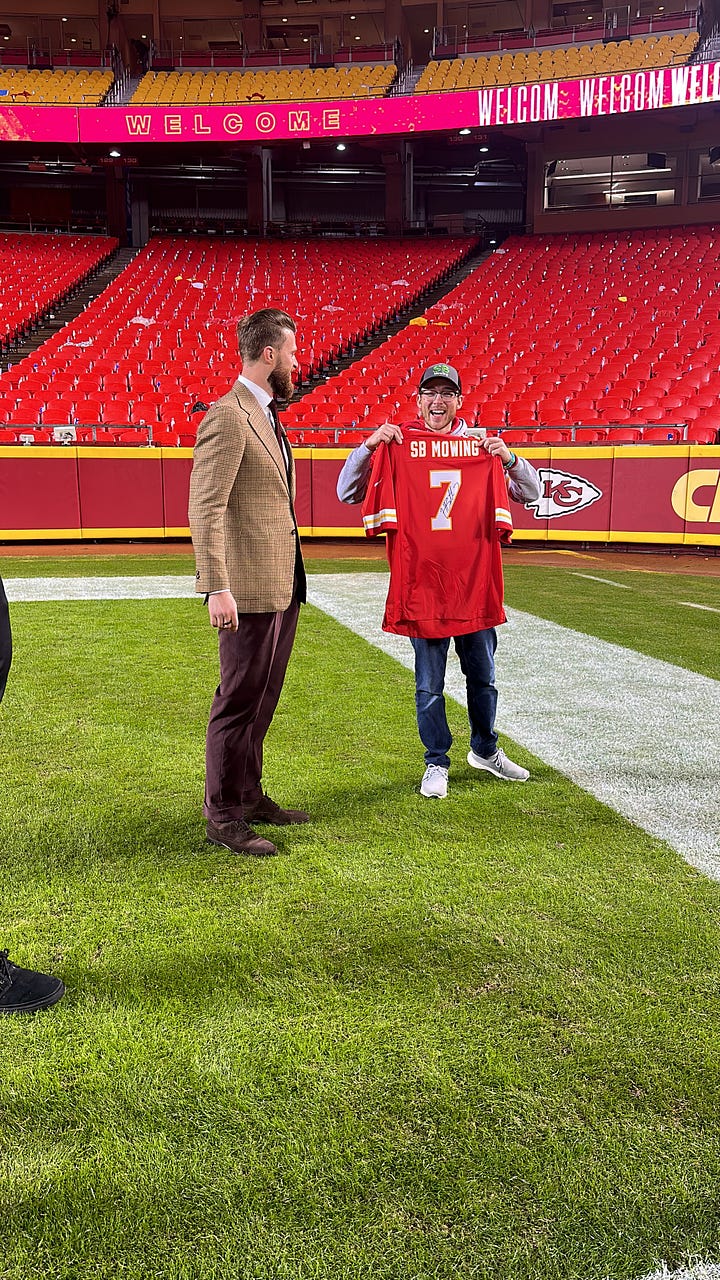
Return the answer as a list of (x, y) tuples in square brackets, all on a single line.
[(262, 329)]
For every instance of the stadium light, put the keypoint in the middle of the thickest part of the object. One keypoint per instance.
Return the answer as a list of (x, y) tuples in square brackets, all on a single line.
[(114, 154), (341, 146), (464, 133)]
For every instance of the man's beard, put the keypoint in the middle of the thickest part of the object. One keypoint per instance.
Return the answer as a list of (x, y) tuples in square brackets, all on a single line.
[(282, 385)]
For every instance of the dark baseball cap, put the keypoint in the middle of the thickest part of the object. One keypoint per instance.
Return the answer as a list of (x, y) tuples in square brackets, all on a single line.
[(444, 371)]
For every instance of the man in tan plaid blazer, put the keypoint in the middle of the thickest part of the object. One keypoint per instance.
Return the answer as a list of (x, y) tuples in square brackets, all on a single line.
[(249, 567)]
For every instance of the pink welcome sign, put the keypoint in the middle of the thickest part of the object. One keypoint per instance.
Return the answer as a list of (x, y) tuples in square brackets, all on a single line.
[(627, 92)]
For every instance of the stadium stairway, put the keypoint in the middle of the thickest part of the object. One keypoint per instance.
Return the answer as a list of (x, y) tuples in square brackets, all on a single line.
[(381, 334), (406, 81), (76, 302), (122, 90)]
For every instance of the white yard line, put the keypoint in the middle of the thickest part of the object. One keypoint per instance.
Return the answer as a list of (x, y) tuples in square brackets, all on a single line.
[(640, 734), (696, 1271), (689, 604), (607, 581), (151, 588)]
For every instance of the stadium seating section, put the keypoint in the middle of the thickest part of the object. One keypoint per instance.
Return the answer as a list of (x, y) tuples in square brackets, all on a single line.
[(556, 64), (179, 88), (603, 332), (85, 88), (38, 270), (162, 337), (586, 339)]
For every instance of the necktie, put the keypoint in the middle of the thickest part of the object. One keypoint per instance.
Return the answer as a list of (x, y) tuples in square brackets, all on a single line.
[(299, 586), (276, 422), (278, 432)]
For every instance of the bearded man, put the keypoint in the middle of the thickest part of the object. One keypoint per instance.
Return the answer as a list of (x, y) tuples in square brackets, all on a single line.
[(249, 568)]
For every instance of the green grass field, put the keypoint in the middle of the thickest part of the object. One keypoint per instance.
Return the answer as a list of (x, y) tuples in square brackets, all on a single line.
[(469, 1039)]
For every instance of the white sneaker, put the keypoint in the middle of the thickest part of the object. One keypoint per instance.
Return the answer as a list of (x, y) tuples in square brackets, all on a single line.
[(499, 766), (434, 783)]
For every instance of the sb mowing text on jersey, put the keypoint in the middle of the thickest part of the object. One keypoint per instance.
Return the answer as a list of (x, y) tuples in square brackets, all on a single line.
[(454, 448)]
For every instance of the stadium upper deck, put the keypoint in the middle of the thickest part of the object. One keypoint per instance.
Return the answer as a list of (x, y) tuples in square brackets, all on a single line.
[(176, 85)]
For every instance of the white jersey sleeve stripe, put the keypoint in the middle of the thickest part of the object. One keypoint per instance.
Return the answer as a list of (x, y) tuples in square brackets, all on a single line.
[(378, 518)]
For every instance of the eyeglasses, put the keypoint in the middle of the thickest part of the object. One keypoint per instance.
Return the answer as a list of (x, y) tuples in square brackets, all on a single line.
[(447, 394)]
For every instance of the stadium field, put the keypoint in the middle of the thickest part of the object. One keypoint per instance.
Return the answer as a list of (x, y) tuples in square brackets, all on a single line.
[(471, 1038)]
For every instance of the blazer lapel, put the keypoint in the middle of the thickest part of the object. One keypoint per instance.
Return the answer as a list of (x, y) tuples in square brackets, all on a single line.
[(261, 426)]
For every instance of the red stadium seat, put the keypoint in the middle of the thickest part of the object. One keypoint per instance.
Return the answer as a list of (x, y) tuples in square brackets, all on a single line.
[(319, 437), (34, 435), (511, 437), (163, 439), (58, 413), (590, 435), (88, 411), (662, 435), (134, 435), (353, 438), (624, 435), (117, 412), (143, 413), (27, 412), (701, 435), (547, 436)]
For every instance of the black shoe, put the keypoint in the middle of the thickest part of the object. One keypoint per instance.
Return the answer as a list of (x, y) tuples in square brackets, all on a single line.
[(23, 991)]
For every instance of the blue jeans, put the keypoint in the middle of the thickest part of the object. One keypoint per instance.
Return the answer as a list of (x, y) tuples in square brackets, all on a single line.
[(477, 663)]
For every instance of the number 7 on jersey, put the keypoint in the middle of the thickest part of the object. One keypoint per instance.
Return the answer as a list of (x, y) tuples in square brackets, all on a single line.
[(453, 479)]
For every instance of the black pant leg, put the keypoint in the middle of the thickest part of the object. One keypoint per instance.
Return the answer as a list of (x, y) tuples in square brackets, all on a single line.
[(5, 640)]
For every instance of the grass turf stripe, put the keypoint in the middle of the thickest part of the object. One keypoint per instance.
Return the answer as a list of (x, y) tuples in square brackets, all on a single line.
[(635, 732)]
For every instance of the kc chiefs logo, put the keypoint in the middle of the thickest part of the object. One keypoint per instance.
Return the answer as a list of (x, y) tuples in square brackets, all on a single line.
[(562, 493)]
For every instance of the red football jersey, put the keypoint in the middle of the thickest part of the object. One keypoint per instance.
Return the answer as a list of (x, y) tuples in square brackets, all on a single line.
[(443, 502)]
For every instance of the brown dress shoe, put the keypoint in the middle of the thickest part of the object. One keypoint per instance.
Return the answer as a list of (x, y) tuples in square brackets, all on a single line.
[(239, 837), (266, 810)]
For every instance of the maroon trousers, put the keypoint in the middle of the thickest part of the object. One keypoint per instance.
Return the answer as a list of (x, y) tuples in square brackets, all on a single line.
[(253, 662)]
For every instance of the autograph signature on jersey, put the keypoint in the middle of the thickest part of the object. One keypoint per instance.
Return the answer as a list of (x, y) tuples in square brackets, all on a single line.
[(451, 494)]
